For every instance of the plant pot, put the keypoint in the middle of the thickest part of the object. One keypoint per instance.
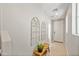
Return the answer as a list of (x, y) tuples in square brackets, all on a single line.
[(40, 49)]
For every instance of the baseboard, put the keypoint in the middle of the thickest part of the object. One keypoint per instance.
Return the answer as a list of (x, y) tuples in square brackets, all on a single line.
[(58, 41)]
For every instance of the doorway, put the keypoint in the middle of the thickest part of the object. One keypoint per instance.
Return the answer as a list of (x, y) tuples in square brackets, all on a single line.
[(57, 30)]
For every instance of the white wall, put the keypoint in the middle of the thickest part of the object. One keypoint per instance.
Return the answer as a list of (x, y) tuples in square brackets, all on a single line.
[(17, 21), (0, 19), (71, 41), (0, 28)]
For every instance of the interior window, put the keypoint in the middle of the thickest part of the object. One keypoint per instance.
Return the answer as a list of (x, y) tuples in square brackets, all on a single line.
[(75, 18)]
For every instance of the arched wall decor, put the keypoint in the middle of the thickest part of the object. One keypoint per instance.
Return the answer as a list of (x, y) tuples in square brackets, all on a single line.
[(43, 31), (35, 31)]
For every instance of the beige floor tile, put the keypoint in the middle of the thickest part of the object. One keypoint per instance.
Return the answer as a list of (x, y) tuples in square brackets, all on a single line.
[(58, 49)]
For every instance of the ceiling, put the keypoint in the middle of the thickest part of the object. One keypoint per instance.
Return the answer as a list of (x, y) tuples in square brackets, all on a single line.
[(55, 10)]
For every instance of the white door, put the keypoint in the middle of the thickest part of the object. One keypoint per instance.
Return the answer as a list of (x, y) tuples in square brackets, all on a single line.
[(58, 31)]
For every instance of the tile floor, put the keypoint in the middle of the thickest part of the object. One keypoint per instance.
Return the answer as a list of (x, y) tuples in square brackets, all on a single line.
[(58, 49)]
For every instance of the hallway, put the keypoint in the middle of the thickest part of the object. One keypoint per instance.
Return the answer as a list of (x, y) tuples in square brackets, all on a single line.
[(58, 49)]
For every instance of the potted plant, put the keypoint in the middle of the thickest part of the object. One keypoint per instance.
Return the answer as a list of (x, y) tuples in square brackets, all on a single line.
[(40, 47)]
